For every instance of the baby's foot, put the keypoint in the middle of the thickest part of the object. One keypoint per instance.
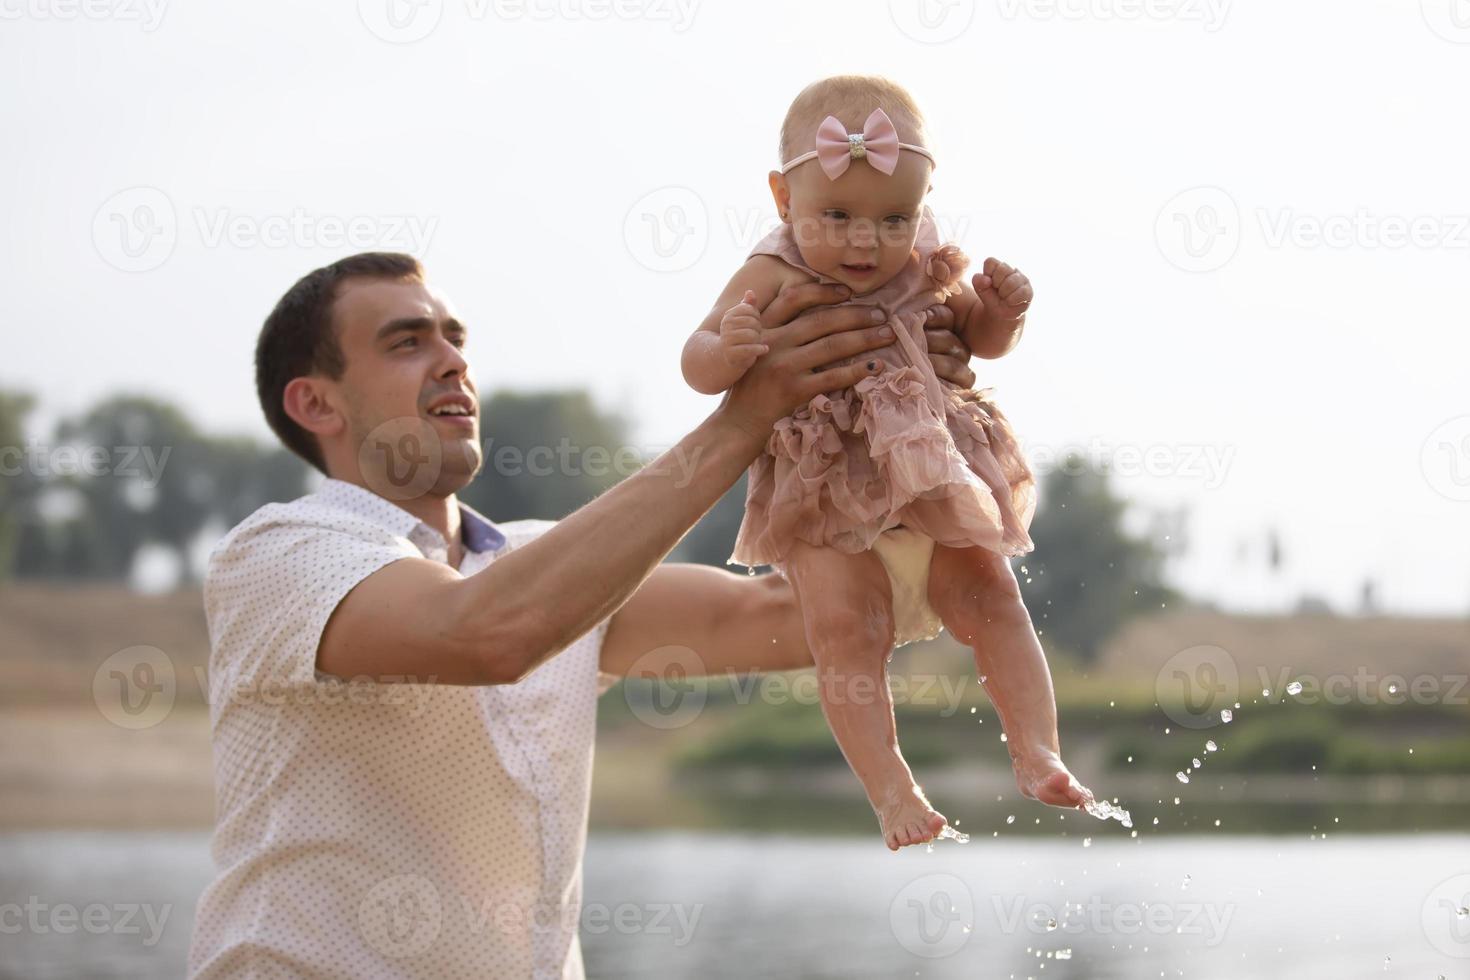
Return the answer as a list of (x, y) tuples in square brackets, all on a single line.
[(907, 818), (1043, 777)]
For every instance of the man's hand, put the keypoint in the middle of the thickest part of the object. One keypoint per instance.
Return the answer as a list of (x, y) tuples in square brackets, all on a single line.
[(948, 351), (804, 332)]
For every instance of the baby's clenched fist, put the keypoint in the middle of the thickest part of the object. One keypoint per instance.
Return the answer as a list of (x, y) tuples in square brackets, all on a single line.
[(740, 334)]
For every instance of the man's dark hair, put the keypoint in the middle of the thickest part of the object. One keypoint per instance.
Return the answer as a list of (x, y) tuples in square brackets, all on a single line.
[(298, 339)]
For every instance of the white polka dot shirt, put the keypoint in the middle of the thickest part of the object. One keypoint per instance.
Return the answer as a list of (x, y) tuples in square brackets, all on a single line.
[(383, 830)]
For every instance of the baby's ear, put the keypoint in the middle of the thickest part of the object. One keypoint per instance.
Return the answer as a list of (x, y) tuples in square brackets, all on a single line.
[(781, 194)]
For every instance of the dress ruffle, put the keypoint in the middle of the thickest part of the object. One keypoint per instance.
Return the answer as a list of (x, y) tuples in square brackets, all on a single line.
[(898, 448)]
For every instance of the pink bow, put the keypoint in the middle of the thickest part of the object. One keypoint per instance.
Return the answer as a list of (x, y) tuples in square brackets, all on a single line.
[(877, 143)]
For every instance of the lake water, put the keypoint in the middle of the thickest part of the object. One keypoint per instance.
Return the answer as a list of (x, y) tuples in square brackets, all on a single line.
[(730, 906)]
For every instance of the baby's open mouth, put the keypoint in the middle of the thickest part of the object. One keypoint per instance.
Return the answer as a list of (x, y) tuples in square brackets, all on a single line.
[(858, 269)]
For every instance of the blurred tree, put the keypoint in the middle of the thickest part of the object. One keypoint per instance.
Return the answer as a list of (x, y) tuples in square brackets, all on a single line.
[(1088, 575), (547, 454), (133, 471), (18, 485)]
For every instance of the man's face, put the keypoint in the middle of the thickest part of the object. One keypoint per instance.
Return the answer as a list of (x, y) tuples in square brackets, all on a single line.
[(413, 414)]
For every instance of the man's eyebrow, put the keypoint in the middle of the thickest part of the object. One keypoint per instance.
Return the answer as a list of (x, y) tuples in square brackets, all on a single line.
[(417, 324)]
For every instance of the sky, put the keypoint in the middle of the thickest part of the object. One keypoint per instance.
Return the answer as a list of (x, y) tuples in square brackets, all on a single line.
[(1247, 223)]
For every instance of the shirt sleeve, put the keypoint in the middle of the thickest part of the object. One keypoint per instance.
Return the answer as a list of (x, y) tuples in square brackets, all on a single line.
[(271, 586)]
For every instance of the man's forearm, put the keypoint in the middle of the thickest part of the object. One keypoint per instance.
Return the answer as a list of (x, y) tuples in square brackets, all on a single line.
[(538, 599)]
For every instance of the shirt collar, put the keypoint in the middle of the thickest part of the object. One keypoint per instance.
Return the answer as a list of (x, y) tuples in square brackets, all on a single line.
[(477, 532)]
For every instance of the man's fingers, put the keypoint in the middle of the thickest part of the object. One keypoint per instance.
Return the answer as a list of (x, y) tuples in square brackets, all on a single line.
[(945, 343), (837, 346), (940, 316), (954, 370), (793, 300), (841, 377)]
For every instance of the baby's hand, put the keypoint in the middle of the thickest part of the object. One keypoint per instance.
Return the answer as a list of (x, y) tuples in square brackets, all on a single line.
[(1005, 292), (740, 334)]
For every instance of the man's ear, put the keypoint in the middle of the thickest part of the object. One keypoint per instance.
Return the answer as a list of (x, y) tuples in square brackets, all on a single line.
[(307, 403), (781, 194)]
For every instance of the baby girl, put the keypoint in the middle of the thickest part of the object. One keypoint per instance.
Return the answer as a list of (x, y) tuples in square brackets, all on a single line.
[(891, 506)]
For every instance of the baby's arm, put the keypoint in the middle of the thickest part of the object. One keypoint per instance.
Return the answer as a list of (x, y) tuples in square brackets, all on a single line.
[(714, 359), (991, 309)]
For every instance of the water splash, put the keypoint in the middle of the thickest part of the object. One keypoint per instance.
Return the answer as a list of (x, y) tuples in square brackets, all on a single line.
[(1104, 810)]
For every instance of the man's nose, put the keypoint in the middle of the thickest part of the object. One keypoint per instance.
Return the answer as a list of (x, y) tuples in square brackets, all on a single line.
[(452, 361)]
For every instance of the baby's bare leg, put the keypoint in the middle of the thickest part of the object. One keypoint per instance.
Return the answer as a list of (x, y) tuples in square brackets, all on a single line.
[(847, 610), (976, 594)]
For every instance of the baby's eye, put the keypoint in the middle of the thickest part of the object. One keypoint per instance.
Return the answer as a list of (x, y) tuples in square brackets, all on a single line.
[(835, 214), (897, 219)]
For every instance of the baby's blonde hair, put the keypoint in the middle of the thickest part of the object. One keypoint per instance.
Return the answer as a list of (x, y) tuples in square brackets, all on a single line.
[(850, 98)]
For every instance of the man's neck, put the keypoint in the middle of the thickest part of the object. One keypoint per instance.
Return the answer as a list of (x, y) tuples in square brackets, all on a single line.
[(441, 514)]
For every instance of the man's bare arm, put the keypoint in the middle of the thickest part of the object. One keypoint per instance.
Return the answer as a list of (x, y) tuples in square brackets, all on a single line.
[(731, 623), (418, 618)]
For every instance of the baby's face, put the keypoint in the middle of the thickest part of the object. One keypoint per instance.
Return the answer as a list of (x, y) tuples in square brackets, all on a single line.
[(860, 228)]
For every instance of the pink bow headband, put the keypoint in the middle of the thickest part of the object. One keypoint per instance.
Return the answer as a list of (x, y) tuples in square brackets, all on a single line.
[(836, 147)]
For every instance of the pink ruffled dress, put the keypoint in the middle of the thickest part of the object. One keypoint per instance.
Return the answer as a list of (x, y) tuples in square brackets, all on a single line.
[(900, 449)]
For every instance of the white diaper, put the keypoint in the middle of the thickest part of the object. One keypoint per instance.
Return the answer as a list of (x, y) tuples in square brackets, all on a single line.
[(905, 554)]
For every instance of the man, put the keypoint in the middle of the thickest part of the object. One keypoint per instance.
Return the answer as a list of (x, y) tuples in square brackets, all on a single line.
[(404, 693)]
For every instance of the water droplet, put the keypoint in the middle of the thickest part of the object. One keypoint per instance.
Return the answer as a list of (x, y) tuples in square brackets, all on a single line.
[(1210, 746), (1227, 716), (1003, 736), (1182, 776), (1294, 688), (1051, 924), (1196, 763), (1064, 954), (1011, 818)]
